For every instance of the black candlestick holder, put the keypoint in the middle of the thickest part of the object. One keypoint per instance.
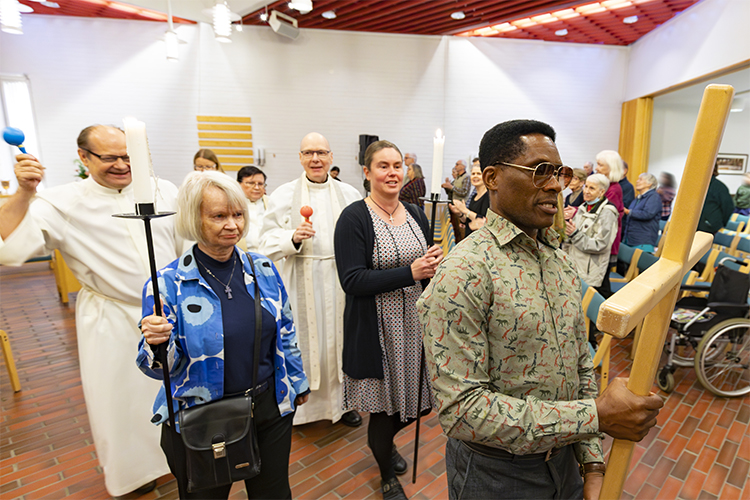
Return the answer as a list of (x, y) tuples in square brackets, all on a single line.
[(146, 212), (434, 198)]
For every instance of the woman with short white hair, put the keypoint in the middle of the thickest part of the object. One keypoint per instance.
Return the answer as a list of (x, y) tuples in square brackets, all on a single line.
[(591, 232), (641, 229), (209, 299)]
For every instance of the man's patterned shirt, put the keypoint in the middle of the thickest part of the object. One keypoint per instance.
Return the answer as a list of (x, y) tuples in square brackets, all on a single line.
[(506, 345)]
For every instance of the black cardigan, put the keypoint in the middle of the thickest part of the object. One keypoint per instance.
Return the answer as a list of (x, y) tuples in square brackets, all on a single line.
[(354, 240)]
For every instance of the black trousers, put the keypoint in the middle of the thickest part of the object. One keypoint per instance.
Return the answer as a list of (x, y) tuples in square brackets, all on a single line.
[(274, 441)]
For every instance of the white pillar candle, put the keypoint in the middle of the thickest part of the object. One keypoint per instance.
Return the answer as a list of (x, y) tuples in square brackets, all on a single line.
[(437, 162), (140, 160)]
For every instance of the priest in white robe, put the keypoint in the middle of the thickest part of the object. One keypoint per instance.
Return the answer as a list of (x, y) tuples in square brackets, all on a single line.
[(109, 257), (308, 269)]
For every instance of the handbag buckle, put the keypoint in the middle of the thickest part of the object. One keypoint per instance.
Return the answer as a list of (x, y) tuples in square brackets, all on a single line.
[(220, 450)]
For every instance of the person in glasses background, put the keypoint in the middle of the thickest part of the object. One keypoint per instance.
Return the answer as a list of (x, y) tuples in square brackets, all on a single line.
[(505, 341), (107, 256), (205, 160), (306, 255), (253, 183)]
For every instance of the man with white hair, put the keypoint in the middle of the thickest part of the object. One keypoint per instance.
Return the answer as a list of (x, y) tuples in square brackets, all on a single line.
[(308, 269)]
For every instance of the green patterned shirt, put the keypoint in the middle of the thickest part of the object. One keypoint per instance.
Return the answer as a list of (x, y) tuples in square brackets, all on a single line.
[(506, 346)]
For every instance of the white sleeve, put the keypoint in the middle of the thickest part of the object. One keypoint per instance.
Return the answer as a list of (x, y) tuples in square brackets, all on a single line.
[(276, 235), (38, 234)]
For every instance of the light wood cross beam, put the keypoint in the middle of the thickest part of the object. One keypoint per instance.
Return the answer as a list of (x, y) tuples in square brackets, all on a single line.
[(652, 295)]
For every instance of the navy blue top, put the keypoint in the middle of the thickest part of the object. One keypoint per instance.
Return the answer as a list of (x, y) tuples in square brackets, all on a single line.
[(642, 225), (238, 320)]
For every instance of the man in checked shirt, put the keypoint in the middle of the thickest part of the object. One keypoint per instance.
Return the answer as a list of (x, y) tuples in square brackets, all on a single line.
[(505, 342)]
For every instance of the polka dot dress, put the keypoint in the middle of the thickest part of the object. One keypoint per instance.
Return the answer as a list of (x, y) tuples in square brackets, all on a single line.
[(399, 329)]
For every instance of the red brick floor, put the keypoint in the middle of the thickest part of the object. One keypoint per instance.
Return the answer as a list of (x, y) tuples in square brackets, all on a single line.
[(700, 449)]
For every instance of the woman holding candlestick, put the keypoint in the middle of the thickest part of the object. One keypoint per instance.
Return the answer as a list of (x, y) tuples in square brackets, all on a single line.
[(208, 298), (384, 260)]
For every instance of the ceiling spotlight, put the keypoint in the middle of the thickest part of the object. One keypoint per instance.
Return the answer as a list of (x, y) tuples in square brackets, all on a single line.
[(51, 5), (329, 14), (222, 23), (303, 6), (238, 27), (630, 20), (10, 17), (264, 16), (458, 15), (561, 32)]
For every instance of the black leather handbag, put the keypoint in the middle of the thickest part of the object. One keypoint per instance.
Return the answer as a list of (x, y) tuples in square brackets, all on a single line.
[(221, 445)]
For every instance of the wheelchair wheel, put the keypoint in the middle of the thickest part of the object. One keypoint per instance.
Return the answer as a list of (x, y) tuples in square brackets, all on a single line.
[(665, 380), (722, 361)]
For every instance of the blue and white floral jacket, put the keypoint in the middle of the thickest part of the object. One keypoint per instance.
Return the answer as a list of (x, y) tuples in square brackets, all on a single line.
[(196, 347)]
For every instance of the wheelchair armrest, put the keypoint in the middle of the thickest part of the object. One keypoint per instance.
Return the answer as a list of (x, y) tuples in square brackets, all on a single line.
[(727, 305)]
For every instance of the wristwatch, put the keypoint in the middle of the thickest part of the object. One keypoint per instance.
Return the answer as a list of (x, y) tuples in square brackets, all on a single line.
[(598, 467)]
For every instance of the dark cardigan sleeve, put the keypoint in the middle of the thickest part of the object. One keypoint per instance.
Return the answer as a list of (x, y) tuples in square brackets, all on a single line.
[(353, 250)]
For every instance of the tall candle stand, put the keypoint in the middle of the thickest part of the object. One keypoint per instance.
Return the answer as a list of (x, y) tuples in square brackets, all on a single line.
[(434, 198), (146, 212)]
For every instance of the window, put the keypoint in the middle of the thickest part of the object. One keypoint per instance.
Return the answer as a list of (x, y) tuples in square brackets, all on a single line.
[(17, 111)]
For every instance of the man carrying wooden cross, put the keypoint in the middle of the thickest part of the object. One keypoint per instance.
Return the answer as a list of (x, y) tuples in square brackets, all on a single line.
[(506, 345)]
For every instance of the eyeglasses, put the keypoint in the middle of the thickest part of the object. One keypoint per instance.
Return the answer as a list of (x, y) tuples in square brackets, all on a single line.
[(321, 154), (202, 168), (254, 184), (110, 158), (545, 171)]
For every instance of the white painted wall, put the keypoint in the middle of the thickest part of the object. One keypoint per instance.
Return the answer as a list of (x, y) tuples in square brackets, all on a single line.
[(709, 36), (341, 84)]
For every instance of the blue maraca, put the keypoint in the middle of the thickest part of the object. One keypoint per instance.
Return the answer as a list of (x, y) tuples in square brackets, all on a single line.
[(14, 137)]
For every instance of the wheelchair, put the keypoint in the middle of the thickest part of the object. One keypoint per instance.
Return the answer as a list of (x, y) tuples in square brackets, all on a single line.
[(712, 334)]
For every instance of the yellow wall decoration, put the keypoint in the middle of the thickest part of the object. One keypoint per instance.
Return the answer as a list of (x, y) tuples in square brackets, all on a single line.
[(230, 137)]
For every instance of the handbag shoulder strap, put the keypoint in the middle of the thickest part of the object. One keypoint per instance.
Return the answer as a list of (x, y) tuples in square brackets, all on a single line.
[(258, 326)]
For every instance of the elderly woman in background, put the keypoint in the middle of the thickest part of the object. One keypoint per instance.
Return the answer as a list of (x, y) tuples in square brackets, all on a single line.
[(206, 160), (474, 215), (666, 190), (575, 198), (592, 231), (642, 224), (208, 298), (415, 188), (384, 256), (610, 165)]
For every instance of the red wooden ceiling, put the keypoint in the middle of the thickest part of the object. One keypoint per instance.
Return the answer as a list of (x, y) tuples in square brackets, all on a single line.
[(432, 17), (100, 8)]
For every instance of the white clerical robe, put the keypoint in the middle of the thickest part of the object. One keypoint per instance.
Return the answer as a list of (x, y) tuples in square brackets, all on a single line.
[(327, 201), (255, 213), (109, 257)]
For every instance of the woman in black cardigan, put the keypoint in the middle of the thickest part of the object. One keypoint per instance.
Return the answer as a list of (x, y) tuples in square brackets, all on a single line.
[(384, 259)]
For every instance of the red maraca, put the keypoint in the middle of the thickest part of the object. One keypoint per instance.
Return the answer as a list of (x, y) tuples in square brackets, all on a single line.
[(306, 212)]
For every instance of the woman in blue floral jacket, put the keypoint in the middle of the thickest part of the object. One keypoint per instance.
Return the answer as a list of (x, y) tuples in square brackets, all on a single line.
[(208, 299)]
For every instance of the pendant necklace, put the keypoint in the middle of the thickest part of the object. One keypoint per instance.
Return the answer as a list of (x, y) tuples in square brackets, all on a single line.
[(227, 288), (390, 215)]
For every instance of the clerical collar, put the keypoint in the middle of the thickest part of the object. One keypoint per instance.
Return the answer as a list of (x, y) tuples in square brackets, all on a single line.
[(315, 182)]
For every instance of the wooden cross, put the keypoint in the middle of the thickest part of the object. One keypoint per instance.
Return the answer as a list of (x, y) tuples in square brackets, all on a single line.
[(652, 295)]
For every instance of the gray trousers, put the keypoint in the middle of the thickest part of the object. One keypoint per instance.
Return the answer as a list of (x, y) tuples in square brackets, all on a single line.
[(472, 475)]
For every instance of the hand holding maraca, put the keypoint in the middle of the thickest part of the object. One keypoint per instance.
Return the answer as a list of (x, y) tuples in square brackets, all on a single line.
[(304, 230), (28, 170)]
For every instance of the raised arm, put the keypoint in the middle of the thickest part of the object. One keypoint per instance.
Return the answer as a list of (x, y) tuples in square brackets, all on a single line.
[(29, 173)]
